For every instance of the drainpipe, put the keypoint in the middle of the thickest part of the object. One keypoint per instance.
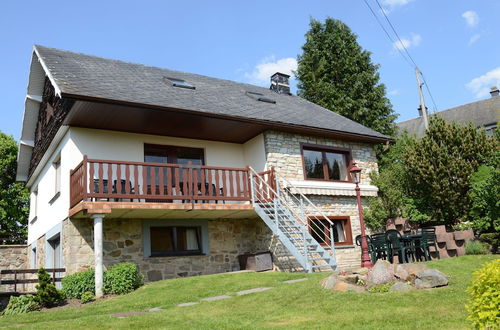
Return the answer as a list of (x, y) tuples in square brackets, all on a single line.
[(98, 237)]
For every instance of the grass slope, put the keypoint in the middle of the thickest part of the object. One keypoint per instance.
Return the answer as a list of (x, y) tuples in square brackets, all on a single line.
[(299, 305)]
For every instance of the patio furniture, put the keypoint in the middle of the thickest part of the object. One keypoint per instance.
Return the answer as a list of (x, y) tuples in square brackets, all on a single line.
[(428, 239), (380, 245), (398, 246), (373, 255)]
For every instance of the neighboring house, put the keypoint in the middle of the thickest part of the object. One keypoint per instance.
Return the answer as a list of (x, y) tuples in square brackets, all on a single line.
[(127, 162), (484, 113)]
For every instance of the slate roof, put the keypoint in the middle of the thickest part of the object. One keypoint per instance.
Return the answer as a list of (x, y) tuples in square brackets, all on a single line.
[(80, 75), (481, 113)]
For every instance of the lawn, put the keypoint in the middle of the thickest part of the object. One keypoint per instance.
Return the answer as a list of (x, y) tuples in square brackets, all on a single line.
[(298, 305)]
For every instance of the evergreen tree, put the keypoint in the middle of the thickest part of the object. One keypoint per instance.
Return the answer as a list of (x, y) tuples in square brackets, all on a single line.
[(336, 73)]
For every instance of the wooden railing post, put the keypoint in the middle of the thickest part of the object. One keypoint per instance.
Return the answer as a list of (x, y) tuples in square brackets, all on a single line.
[(15, 280), (85, 178)]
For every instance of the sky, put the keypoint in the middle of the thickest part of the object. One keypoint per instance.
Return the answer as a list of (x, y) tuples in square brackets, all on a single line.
[(455, 43)]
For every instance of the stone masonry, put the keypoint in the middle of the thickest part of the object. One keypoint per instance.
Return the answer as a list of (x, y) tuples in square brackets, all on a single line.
[(13, 257)]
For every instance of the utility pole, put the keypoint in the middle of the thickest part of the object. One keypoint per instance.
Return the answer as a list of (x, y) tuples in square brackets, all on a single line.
[(422, 102)]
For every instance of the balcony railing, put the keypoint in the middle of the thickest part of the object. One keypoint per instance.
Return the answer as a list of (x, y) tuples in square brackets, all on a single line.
[(115, 181)]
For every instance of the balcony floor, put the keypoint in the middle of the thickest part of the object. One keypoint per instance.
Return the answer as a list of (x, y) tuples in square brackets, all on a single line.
[(133, 210)]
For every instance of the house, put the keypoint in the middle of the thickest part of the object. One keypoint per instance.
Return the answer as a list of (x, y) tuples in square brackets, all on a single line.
[(484, 113), (182, 173)]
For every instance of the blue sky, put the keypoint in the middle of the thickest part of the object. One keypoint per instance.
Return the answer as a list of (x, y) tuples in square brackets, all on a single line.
[(456, 43)]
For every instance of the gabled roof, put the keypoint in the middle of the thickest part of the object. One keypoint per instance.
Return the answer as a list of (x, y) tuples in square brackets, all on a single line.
[(87, 77), (481, 113)]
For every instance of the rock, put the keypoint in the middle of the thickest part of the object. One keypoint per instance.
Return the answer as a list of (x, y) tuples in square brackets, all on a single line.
[(430, 278), (361, 271), (414, 269), (352, 278), (154, 275), (382, 272), (401, 272), (329, 282), (400, 287), (343, 286)]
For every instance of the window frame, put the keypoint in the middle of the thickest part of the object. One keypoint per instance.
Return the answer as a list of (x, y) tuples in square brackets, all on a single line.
[(175, 241), (347, 230), (324, 149), (170, 149)]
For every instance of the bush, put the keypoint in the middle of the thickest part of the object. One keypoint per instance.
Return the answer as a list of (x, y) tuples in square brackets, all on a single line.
[(122, 278), (493, 239), (75, 285), (380, 288), (484, 304), (475, 247), (87, 297), (46, 293), (21, 305)]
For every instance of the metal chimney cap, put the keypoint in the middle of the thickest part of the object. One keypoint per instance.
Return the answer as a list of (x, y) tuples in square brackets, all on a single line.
[(494, 91)]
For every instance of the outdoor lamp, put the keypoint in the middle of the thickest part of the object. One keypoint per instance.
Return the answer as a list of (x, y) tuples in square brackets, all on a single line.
[(356, 177), (355, 173)]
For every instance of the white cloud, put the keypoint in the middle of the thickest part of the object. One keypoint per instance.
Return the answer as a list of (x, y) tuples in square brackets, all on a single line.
[(480, 86), (413, 41), (270, 65), (393, 92), (474, 38), (393, 4), (471, 18)]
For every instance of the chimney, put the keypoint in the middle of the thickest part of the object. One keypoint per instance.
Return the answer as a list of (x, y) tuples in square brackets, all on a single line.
[(279, 83), (420, 110), (494, 91)]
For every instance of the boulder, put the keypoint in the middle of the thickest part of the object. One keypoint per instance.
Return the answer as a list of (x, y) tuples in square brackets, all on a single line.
[(329, 282), (430, 278), (400, 287), (361, 271), (343, 286), (414, 269), (352, 278), (382, 272), (401, 272)]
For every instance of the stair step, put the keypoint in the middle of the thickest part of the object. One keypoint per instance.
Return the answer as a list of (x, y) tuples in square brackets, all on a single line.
[(318, 259)]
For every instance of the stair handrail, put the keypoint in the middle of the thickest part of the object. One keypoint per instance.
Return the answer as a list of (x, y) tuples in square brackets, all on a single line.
[(305, 223)]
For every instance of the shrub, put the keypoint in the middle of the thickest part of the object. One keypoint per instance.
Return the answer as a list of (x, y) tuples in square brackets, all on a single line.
[(379, 288), (21, 305), (475, 247), (46, 293), (493, 239), (87, 296), (484, 304), (122, 278), (75, 285)]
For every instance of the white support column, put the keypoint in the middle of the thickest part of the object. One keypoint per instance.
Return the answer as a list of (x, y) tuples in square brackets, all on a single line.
[(98, 237)]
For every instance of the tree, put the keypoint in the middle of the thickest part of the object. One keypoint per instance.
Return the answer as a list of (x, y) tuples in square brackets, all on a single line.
[(440, 166), (336, 73), (13, 195)]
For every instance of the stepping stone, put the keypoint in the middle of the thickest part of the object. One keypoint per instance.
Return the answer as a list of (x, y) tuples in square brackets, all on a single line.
[(188, 304), (154, 310), (216, 298), (128, 314), (295, 281), (240, 293)]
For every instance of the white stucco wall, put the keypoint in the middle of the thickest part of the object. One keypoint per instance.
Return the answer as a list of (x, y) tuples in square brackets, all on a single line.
[(112, 145)]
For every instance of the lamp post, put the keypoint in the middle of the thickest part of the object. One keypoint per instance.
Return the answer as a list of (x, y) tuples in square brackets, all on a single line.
[(356, 177)]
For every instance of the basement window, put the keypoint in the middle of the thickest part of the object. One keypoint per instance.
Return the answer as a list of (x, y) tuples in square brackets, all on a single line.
[(179, 83), (259, 97)]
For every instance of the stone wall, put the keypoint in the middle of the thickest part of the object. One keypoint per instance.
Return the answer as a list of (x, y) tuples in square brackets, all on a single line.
[(13, 257), (283, 152), (123, 242)]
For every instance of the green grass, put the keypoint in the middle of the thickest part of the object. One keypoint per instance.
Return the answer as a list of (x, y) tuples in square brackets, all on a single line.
[(299, 305)]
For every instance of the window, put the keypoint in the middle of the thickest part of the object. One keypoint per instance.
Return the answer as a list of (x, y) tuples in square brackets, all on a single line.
[(33, 258), (178, 83), (173, 155), (341, 230), (178, 240), (324, 163), (34, 205), (57, 169)]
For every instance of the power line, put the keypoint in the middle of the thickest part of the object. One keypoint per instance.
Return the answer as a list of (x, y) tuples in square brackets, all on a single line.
[(402, 45)]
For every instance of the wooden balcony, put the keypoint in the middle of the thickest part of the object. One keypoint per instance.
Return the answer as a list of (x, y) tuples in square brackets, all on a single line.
[(103, 185)]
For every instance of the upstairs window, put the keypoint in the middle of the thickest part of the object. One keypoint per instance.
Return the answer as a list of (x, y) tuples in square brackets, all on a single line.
[(325, 163), (57, 169)]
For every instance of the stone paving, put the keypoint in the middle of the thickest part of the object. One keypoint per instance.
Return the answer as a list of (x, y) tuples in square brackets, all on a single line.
[(214, 298)]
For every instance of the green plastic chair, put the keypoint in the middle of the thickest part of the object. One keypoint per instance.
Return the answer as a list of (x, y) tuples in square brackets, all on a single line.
[(381, 247), (373, 255), (428, 239), (398, 246)]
